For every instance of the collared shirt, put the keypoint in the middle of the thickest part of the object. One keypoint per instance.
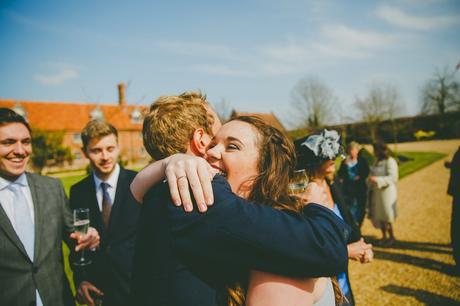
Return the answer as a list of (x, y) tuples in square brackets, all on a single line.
[(6, 196), (112, 186)]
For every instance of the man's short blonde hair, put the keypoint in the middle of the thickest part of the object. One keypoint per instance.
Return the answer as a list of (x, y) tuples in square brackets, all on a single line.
[(171, 121), (96, 129)]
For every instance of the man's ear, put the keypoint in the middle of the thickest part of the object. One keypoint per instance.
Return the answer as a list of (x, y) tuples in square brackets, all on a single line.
[(200, 141)]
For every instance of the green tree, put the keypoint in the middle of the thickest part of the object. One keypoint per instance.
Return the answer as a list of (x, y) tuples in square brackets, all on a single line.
[(48, 150)]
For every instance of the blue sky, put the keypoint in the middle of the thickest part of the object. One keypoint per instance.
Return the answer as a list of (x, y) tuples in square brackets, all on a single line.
[(250, 53)]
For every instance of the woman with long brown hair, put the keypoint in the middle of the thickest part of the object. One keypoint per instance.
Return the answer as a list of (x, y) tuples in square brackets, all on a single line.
[(258, 161)]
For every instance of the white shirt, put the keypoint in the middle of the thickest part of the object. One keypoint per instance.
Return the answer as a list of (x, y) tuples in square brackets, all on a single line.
[(112, 186), (6, 197)]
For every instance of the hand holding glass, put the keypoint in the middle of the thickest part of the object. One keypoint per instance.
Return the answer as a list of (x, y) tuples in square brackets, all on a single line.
[(299, 182), (81, 223)]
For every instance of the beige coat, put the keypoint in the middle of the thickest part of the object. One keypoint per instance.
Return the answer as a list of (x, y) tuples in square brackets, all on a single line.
[(383, 195)]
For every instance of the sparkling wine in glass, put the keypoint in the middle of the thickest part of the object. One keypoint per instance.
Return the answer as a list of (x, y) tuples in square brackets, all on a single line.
[(81, 224), (298, 182)]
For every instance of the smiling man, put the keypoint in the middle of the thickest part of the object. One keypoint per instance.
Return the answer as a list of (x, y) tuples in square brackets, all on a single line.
[(113, 211), (34, 219)]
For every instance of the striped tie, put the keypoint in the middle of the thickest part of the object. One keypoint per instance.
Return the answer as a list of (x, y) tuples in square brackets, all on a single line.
[(23, 221)]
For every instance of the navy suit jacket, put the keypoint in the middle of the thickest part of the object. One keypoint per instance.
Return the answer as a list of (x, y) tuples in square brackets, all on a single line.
[(111, 268), (189, 258)]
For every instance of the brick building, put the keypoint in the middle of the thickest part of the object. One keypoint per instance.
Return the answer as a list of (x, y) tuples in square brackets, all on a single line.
[(72, 117)]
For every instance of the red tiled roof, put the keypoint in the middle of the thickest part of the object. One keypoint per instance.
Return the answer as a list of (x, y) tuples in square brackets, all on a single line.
[(269, 118), (54, 116)]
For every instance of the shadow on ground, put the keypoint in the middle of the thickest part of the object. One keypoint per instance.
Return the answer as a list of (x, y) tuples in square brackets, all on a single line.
[(425, 263), (440, 248), (425, 297)]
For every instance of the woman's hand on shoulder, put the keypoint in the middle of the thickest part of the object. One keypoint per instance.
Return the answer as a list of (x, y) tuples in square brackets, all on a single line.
[(184, 170)]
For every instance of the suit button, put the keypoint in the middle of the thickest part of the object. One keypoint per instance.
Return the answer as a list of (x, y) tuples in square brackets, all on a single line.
[(35, 269)]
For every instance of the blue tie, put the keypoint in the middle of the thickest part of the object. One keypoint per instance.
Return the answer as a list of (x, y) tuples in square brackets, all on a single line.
[(23, 221)]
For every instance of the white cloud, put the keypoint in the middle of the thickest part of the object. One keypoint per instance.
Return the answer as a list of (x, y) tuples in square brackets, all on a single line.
[(64, 72), (397, 17), (423, 2), (295, 55), (221, 70), (345, 36), (336, 41), (197, 49), (292, 51), (343, 41)]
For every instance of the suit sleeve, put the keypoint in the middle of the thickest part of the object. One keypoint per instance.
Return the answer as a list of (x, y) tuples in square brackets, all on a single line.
[(340, 200), (236, 232), (68, 226), (364, 168)]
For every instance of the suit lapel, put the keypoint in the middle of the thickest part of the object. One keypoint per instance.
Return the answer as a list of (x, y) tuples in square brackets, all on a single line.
[(8, 228), (37, 199)]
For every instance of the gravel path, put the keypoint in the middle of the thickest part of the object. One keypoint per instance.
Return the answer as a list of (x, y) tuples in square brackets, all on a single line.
[(417, 270)]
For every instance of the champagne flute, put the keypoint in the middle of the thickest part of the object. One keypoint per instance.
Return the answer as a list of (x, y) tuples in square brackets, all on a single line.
[(298, 182), (81, 224)]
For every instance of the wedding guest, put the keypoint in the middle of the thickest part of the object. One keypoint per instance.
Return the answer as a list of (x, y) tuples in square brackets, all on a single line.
[(113, 211), (454, 191), (383, 192), (353, 173), (317, 154), (34, 219)]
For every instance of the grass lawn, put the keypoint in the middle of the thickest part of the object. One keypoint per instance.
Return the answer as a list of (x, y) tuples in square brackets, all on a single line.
[(417, 161)]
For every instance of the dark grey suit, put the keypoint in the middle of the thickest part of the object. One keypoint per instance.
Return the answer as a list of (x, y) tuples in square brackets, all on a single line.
[(19, 276)]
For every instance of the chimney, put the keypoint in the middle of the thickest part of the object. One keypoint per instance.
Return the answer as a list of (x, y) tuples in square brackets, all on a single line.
[(121, 94)]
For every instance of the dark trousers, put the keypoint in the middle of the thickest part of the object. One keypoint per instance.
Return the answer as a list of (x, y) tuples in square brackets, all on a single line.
[(455, 230)]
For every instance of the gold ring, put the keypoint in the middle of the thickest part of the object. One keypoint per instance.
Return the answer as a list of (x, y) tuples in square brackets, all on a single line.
[(181, 177)]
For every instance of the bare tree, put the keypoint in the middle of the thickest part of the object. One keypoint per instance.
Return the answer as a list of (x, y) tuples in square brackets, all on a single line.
[(381, 103), (441, 93), (223, 110), (313, 102)]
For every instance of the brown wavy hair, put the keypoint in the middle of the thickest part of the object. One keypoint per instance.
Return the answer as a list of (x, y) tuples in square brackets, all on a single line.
[(277, 161)]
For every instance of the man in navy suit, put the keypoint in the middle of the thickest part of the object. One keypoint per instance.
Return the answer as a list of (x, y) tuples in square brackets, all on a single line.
[(113, 212), (189, 258)]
